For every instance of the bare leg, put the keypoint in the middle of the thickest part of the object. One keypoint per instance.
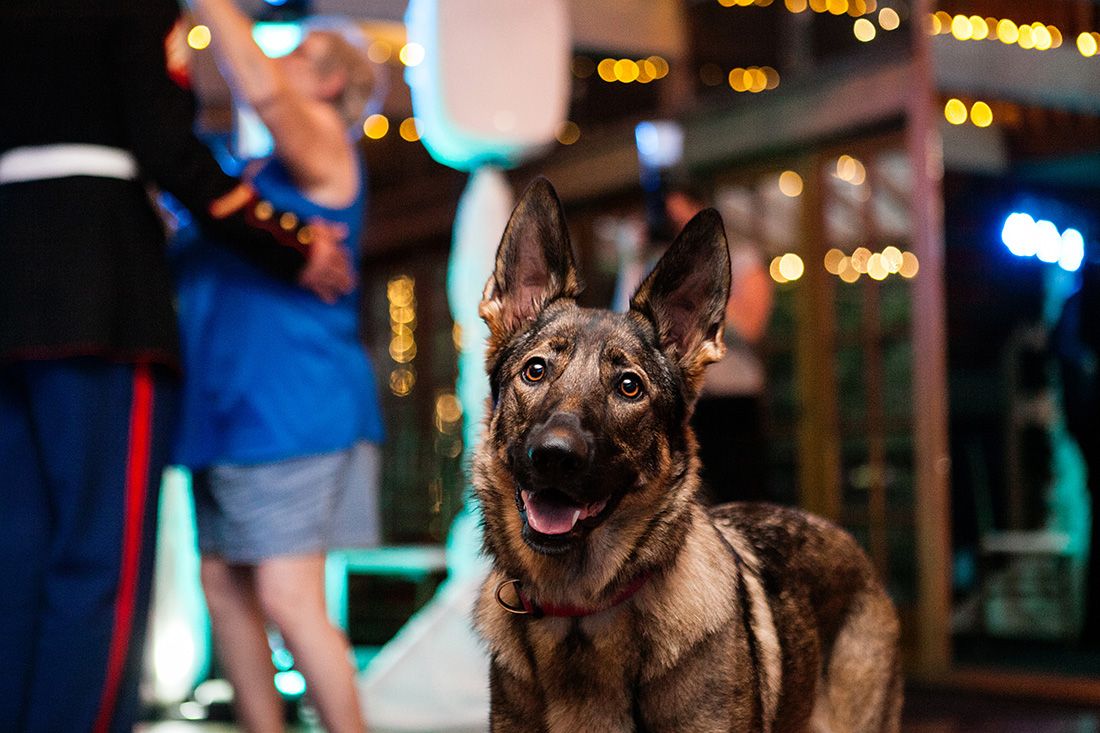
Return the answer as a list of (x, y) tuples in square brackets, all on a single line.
[(241, 640), (292, 594)]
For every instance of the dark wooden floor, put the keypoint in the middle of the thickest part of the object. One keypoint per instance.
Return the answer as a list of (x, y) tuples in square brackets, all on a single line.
[(955, 712), (925, 712)]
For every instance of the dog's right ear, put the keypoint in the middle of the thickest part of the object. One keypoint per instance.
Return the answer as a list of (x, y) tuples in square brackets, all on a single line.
[(534, 265), (685, 296)]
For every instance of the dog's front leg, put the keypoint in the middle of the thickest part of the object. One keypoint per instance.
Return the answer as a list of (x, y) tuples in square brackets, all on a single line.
[(515, 705)]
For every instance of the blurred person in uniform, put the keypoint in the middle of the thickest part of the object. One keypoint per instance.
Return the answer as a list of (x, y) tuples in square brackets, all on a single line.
[(281, 422), (728, 418), (94, 112)]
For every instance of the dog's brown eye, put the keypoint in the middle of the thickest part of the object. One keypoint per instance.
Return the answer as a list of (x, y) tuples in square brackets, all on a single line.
[(534, 371), (630, 386)]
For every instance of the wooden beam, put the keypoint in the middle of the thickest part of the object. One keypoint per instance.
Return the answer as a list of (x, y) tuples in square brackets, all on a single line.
[(931, 457), (1059, 78)]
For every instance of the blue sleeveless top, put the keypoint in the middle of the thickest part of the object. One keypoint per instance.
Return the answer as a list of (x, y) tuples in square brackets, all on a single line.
[(270, 371)]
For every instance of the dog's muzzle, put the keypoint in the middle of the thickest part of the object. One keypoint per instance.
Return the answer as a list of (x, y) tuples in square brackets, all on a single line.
[(559, 450)]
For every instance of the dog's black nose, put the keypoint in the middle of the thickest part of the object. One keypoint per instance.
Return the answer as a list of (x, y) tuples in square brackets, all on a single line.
[(559, 449)]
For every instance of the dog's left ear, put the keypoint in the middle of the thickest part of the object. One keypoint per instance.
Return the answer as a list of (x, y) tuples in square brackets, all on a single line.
[(534, 265), (685, 296)]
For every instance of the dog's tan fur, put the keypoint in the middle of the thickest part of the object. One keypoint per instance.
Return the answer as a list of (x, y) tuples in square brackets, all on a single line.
[(745, 617)]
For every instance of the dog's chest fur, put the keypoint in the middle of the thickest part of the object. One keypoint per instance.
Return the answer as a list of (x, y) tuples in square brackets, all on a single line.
[(695, 649)]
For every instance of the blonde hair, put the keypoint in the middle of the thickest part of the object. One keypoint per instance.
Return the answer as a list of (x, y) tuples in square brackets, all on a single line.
[(343, 56)]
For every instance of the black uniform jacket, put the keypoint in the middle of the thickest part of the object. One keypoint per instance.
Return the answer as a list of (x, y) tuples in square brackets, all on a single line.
[(82, 258)]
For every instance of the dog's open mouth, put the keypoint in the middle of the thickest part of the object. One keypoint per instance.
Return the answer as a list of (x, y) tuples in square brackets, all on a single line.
[(550, 512), (553, 516)]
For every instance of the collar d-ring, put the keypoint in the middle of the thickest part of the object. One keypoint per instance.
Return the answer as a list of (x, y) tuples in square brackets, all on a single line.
[(518, 610)]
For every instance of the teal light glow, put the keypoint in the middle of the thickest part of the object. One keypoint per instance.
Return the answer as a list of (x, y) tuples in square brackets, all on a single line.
[(282, 659), (277, 39), (290, 684), (179, 630)]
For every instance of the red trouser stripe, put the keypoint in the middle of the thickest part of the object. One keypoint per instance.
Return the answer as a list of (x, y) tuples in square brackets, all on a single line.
[(137, 480)]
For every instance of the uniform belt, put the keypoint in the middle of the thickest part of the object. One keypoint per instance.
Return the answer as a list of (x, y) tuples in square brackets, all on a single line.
[(41, 162)]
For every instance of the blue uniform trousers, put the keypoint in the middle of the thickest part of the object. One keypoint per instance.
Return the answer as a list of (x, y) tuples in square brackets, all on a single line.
[(83, 443)]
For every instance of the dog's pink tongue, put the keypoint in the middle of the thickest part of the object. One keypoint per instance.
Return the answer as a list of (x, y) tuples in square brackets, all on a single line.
[(549, 517)]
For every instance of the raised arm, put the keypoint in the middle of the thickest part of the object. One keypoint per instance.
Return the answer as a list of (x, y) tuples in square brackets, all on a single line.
[(312, 144)]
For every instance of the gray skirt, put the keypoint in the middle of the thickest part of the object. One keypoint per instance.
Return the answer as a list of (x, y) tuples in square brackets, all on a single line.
[(299, 506)]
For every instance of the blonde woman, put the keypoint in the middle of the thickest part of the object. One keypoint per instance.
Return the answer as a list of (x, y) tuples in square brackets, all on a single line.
[(280, 416)]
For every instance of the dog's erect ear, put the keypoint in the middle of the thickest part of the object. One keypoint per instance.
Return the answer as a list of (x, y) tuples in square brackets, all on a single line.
[(685, 296), (534, 264)]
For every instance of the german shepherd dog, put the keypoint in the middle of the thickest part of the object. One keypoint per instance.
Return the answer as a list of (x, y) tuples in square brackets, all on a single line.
[(616, 601)]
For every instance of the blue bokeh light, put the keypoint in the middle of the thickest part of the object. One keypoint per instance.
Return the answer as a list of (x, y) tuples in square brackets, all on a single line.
[(1026, 237)]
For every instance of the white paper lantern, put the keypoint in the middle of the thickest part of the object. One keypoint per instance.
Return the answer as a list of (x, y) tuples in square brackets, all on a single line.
[(493, 85)]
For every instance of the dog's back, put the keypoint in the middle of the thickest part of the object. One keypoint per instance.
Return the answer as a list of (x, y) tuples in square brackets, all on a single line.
[(830, 615)]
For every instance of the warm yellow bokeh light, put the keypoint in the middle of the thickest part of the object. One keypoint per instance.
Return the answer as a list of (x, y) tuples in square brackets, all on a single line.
[(737, 80), (847, 271), (833, 258), (979, 28), (376, 126), (876, 268), (773, 270), (408, 130), (864, 30), (837, 7), (759, 80), (891, 257), (790, 184), (909, 265), (795, 6), (961, 28), (889, 19), (791, 266), (379, 52), (859, 173), (991, 24), (401, 291), (606, 69), (660, 66), (626, 70), (955, 111), (945, 21), (934, 26), (1086, 44), (568, 133), (402, 381), (771, 76), (411, 54), (981, 115), (447, 408), (860, 258), (1042, 37), (198, 37), (1007, 32), (1027, 37), (1055, 36)]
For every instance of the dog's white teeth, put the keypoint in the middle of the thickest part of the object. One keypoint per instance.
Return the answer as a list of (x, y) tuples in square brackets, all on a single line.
[(576, 516)]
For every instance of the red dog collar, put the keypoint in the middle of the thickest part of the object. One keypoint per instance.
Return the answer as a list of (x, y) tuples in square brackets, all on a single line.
[(530, 608)]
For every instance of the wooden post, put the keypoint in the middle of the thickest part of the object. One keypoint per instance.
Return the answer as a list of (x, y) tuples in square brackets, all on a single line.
[(815, 360), (932, 460)]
